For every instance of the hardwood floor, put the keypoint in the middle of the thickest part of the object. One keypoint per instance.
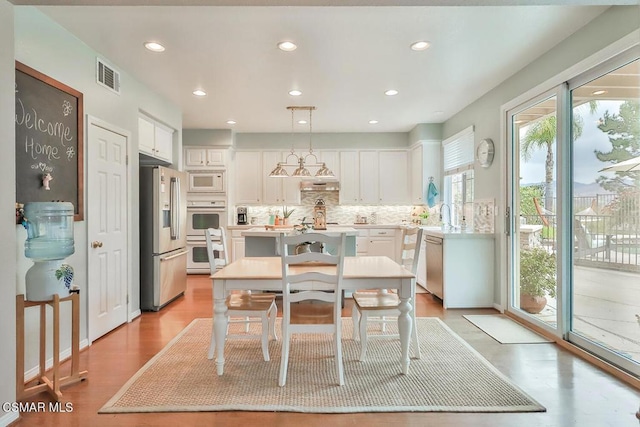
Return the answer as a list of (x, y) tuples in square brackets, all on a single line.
[(574, 392)]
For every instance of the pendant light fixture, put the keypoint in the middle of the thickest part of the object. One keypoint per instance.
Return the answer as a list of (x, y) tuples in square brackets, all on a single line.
[(301, 162)]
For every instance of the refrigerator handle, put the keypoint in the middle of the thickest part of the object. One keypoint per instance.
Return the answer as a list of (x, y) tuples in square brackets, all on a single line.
[(174, 196)]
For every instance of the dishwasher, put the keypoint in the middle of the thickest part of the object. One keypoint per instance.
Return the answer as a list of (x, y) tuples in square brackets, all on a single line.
[(434, 266)]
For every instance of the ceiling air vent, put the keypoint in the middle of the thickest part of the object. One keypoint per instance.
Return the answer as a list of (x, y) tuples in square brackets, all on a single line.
[(108, 77)]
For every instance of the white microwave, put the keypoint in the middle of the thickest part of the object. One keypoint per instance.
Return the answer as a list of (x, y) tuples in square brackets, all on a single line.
[(207, 182)]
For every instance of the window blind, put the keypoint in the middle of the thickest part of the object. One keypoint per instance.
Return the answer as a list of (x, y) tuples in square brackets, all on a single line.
[(458, 152)]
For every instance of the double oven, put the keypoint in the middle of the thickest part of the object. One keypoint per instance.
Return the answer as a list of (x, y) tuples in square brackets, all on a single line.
[(203, 211)]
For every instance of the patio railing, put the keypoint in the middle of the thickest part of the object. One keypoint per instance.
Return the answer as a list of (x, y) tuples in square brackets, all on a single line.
[(608, 239)]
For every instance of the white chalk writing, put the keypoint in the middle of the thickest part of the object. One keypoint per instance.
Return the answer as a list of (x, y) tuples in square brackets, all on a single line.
[(42, 166), (34, 149), (30, 120)]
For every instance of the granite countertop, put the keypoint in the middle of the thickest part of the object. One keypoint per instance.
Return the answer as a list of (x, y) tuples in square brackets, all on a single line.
[(241, 227), (455, 234), (331, 230), (354, 226), (259, 230)]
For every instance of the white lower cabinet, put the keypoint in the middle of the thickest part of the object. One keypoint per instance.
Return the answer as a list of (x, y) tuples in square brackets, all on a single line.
[(467, 270), (362, 242), (378, 242), (382, 242), (237, 245), (421, 274)]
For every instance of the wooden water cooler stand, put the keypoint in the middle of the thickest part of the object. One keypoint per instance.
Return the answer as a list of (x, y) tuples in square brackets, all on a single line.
[(44, 383)]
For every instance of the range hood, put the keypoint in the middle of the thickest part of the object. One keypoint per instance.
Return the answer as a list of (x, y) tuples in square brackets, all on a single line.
[(320, 185)]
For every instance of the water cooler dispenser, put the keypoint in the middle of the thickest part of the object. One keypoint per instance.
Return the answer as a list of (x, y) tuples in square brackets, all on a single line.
[(49, 241)]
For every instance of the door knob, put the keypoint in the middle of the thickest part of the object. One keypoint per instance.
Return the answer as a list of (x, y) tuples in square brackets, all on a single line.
[(96, 244)]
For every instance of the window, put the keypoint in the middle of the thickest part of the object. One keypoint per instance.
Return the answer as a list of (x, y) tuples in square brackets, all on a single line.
[(458, 180), (459, 188)]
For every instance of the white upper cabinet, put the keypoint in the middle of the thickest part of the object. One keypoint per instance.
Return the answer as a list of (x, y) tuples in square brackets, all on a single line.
[(252, 182), (369, 177), (349, 178), (155, 139), (374, 177), (278, 190), (248, 177), (331, 159), (393, 177), (426, 163), (204, 158), (164, 143), (146, 136), (417, 178)]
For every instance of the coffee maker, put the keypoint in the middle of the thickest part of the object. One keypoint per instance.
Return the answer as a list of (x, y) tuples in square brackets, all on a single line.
[(242, 215)]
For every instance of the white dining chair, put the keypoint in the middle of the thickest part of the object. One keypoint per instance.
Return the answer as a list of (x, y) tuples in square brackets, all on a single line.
[(315, 317), (381, 306), (243, 307)]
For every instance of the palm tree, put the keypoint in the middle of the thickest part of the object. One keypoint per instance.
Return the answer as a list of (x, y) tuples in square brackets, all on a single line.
[(542, 135)]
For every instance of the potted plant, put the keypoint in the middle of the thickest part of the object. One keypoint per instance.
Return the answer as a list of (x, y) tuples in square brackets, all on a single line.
[(286, 213), (424, 216), (537, 279)]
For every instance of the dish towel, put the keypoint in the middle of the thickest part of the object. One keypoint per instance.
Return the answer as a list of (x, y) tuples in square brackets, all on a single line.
[(432, 192)]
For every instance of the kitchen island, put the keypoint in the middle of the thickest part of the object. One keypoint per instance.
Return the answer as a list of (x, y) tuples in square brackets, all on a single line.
[(260, 242)]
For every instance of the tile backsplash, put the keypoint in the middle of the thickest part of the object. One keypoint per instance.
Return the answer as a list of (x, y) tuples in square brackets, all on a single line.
[(341, 214), (484, 216)]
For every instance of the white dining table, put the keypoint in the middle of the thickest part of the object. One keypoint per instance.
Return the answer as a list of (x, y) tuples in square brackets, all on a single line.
[(265, 274)]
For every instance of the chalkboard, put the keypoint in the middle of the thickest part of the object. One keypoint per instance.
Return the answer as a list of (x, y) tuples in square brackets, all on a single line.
[(49, 140)]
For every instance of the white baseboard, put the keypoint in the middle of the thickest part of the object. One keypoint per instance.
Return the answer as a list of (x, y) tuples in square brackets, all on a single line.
[(135, 314), (65, 354), (8, 418)]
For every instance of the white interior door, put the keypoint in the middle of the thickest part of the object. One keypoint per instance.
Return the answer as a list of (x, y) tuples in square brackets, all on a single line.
[(106, 228)]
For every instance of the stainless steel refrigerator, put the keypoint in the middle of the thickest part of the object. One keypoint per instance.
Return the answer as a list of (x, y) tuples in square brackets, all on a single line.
[(163, 241)]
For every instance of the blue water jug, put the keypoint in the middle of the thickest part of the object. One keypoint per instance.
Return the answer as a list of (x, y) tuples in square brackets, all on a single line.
[(49, 230)]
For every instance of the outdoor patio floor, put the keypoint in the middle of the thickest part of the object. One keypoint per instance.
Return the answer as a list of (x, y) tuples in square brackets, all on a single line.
[(605, 305)]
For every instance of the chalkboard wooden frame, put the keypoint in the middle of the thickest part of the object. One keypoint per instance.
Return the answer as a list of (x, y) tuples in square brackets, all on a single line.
[(24, 175)]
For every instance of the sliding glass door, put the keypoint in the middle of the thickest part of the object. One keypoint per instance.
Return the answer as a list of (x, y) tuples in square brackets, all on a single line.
[(574, 196), (605, 292), (534, 132)]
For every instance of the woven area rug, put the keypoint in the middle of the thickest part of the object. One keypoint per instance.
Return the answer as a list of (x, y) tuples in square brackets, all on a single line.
[(450, 377)]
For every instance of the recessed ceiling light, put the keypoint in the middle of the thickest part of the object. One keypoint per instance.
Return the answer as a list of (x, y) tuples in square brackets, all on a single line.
[(302, 122), (287, 46), (373, 122), (231, 122), (420, 45), (391, 92), (154, 46), (199, 92), (599, 92), (295, 92)]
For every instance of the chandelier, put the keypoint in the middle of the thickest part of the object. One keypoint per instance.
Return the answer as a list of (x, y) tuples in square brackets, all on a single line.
[(301, 162)]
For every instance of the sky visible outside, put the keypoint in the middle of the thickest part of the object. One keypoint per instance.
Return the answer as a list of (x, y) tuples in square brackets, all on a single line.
[(585, 163)]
